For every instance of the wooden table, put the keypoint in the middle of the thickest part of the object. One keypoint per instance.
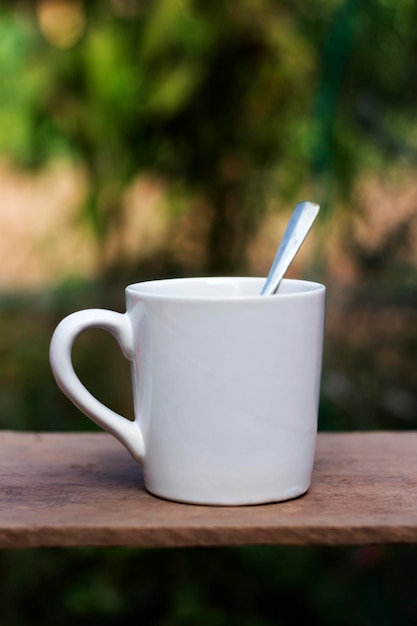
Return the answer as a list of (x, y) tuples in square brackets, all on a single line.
[(84, 489)]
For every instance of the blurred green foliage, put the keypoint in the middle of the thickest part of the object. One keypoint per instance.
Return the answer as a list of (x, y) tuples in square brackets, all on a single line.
[(263, 586), (235, 103)]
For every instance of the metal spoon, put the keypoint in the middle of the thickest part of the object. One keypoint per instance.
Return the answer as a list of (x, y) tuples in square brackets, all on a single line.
[(300, 223)]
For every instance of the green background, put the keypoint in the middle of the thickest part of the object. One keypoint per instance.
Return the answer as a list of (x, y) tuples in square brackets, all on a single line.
[(233, 103)]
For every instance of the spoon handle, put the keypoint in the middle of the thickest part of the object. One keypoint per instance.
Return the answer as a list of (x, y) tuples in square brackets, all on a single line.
[(300, 223)]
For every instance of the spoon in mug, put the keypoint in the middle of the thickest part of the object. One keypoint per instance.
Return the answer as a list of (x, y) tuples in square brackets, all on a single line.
[(300, 223)]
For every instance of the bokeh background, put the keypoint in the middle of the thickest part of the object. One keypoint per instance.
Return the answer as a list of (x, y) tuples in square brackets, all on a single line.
[(147, 139)]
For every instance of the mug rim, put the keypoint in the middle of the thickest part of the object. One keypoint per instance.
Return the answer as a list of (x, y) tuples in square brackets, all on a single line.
[(144, 288)]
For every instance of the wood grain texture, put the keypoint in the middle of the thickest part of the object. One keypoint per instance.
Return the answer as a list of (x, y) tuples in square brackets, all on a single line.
[(84, 489)]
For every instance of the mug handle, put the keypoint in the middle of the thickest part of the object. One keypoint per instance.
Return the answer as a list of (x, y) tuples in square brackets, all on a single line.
[(118, 324)]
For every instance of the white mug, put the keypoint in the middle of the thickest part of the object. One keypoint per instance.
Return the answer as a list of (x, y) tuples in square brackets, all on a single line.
[(226, 385)]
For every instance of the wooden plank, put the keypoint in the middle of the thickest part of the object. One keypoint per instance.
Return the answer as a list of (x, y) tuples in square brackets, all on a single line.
[(84, 489)]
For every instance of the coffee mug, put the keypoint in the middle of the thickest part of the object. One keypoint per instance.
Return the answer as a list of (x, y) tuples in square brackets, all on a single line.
[(226, 385)]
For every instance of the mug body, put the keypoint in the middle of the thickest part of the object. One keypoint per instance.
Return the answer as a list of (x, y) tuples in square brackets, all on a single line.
[(226, 385)]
